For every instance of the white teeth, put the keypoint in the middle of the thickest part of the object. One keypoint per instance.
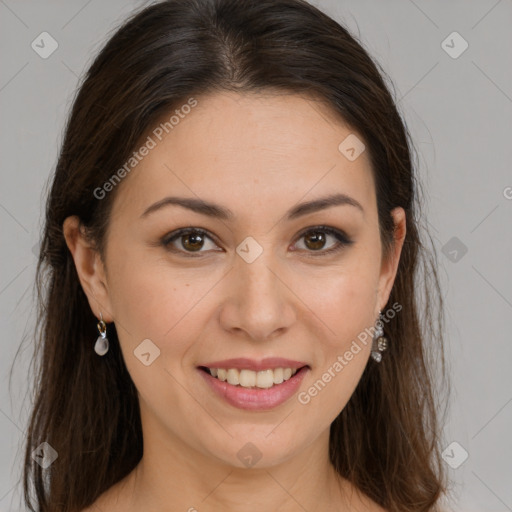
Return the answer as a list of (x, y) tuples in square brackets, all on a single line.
[(278, 376), (248, 378), (265, 379), (233, 377)]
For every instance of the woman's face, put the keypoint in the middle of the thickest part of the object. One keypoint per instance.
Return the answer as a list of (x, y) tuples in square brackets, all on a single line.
[(263, 282)]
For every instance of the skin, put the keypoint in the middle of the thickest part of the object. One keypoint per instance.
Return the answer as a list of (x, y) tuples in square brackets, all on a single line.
[(257, 155)]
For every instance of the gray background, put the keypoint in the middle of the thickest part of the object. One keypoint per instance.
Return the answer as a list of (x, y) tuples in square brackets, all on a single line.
[(459, 111)]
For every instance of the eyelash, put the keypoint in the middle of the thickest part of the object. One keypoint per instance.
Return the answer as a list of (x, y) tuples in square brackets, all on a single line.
[(343, 240)]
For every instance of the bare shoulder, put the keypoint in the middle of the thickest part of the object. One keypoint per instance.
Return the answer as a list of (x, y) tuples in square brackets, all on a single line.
[(368, 505), (375, 507), (112, 500), (365, 504), (360, 502), (103, 503)]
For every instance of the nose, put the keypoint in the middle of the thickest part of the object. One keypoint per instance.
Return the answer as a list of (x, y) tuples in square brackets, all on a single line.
[(259, 302)]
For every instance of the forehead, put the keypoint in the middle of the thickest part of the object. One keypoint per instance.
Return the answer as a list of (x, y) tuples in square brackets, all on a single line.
[(247, 150)]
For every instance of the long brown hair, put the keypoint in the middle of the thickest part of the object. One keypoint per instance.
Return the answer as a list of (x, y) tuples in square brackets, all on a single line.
[(386, 441)]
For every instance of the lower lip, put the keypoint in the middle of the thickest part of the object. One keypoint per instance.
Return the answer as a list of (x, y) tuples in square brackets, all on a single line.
[(255, 399)]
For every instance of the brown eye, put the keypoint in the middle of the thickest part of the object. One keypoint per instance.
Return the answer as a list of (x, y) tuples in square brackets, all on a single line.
[(316, 238), (192, 241)]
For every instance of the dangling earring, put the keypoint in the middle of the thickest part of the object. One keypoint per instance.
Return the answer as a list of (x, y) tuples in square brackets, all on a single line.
[(380, 342), (101, 345)]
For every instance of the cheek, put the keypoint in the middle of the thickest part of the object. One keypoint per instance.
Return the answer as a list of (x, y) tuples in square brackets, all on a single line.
[(342, 301), (343, 315), (152, 300), (342, 305), (148, 300)]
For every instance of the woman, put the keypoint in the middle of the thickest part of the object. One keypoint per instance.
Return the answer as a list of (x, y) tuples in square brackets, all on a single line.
[(232, 256)]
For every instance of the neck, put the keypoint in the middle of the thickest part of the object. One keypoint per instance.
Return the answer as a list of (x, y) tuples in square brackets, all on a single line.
[(172, 473)]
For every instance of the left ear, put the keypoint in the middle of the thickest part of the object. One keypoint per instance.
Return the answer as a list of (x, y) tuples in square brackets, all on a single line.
[(389, 266)]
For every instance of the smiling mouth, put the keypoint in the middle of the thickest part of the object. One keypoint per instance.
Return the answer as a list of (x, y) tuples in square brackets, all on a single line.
[(263, 379)]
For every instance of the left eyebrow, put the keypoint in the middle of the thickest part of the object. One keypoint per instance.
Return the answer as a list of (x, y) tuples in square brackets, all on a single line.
[(220, 212)]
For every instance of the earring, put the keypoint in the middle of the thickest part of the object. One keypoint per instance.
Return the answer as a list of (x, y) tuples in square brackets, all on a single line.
[(101, 345), (380, 342)]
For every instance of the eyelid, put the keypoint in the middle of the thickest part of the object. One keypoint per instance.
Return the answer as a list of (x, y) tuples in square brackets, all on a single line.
[(343, 240), (167, 240), (328, 229)]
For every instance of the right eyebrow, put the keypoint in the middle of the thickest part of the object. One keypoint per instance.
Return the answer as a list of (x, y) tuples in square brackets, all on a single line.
[(220, 212)]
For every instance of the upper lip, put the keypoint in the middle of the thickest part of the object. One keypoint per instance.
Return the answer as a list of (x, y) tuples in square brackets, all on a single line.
[(243, 363)]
